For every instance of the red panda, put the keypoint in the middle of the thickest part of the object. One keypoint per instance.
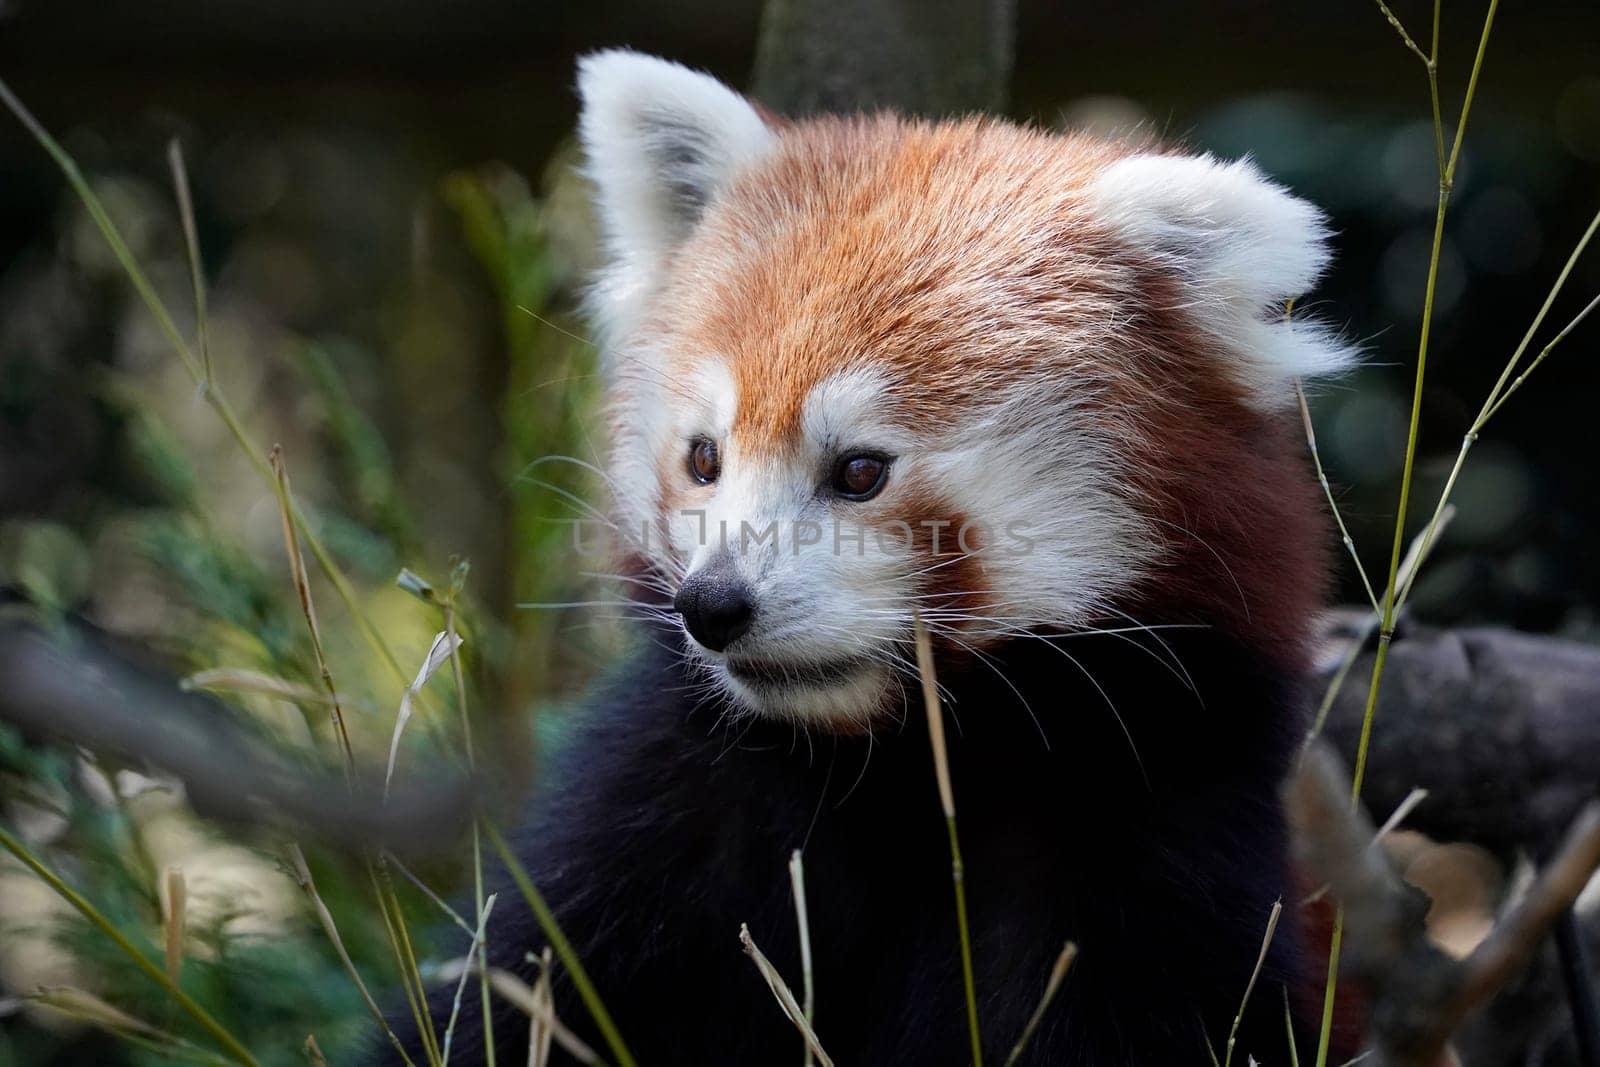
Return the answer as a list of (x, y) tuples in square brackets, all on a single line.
[(1032, 389)]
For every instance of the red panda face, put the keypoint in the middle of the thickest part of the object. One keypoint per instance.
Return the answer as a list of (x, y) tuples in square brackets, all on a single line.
[(866, 369)]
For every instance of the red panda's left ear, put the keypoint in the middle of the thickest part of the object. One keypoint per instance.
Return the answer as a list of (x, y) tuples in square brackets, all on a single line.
[(662, 141), (1242, 245)]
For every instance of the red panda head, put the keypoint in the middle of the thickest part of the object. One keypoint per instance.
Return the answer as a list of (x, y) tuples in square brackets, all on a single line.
[(1011, 380)]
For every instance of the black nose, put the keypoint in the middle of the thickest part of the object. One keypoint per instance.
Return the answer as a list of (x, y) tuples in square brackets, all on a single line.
[(715, 604)]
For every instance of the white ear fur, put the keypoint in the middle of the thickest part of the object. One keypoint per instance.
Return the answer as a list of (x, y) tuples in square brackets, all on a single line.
[(662, 141), (1243, 245)]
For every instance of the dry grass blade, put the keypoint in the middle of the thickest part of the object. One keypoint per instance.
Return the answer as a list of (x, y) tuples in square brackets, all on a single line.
[(517, 992), (930, 702), (444, 645), (1398, 816), (780, 990), (313, 1051), (1250, 986), (1288, 1030), (405, 872), (302, 589), (240, 680), (461, 986), (540, 1035), (797, 883), (405, 957), (85, 1007), (1058, 975), (174, 905), (458, 578), (947, 800), (1422, 544), (191, 240), (383, 887), (302, 877)]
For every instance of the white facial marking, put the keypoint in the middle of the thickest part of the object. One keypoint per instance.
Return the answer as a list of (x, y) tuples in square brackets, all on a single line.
[(854, 409), (826, 586), (834, 581)]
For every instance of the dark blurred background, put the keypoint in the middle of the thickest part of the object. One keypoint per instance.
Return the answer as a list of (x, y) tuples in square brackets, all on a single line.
[(393, 238), (324, 140)]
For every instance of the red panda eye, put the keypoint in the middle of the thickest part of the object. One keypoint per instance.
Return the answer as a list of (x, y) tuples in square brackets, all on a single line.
[(705, 463), (860, 475)]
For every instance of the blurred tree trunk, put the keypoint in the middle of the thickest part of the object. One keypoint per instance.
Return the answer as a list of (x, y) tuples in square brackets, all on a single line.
[(923, 57)]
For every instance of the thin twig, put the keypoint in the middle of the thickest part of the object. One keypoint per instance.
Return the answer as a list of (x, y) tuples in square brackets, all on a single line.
[(1388, 920), (1404, 36), (68, 685), (1504, 954), (1498, 393), (1327, 491)]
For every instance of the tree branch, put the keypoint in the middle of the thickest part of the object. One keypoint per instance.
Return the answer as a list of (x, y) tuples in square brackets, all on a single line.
[(71, 687)]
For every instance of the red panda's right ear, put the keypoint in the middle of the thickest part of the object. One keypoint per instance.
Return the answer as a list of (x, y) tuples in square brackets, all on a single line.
[(661, 141), (1242, 246)]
